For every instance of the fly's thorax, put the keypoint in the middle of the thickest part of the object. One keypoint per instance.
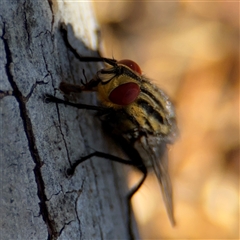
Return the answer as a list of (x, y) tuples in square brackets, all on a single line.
[(153, 112)]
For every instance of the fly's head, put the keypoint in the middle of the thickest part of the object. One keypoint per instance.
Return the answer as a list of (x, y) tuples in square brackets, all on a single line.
[(119, 84)]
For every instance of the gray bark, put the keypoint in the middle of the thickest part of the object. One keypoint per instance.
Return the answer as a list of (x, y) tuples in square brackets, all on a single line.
[(39, 141)]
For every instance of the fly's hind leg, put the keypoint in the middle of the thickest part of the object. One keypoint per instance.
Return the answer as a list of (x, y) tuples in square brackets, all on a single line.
[(102, 155), (143, 169), (110, 157)]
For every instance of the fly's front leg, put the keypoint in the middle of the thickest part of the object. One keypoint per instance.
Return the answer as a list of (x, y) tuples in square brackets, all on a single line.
[(83, 58), (68, 88)]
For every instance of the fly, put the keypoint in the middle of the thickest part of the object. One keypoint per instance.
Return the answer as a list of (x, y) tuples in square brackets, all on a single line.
[(136, 113)]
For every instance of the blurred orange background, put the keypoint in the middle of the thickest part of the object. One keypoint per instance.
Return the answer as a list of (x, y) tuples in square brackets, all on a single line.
[(190, 50)]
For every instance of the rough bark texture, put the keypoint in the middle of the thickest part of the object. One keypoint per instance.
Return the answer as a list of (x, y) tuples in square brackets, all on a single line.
[(39, 140)]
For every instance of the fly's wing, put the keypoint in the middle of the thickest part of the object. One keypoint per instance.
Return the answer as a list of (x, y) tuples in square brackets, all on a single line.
[(153, 151)]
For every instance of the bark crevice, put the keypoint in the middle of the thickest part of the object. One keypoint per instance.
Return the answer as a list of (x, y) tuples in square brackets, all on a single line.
[(27, 125)]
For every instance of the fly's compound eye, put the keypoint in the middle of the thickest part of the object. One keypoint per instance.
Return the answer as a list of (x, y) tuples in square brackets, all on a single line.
[(132, 65), (124, 94)]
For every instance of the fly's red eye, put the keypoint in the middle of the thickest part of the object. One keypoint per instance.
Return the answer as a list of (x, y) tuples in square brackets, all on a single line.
[(124, 94), (131, 64)]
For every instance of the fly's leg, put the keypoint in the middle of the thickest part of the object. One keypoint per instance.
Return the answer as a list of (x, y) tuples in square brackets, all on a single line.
[(106, 156), (68, 88), (50, 98), (113, 158), (143, 169), (82, 58)]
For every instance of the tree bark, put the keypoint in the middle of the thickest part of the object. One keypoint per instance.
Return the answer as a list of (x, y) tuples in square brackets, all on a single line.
[(39, 141)]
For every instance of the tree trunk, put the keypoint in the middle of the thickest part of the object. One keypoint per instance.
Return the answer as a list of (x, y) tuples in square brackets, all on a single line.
[(39, 141)]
